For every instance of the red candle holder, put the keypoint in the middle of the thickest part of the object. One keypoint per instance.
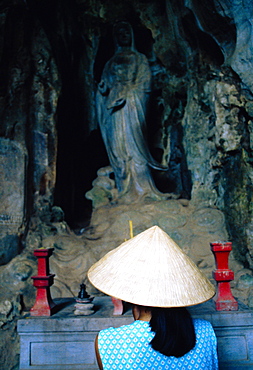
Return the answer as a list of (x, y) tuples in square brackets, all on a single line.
[(224, 299), (44, 305), (118, 306)]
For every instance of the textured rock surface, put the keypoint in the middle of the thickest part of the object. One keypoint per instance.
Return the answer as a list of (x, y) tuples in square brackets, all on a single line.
[(9, 342), (12, 194)]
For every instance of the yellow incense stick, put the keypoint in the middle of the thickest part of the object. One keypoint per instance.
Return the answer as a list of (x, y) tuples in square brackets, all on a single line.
[(131, 229)]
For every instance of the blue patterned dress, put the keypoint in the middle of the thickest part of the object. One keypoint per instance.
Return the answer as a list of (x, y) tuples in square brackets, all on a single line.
[(128, 347)]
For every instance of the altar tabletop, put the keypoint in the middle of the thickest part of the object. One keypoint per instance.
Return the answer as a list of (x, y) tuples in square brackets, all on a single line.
[(65, 341)]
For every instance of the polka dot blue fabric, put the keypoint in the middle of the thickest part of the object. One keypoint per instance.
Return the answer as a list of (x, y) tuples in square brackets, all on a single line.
[(128, 347)]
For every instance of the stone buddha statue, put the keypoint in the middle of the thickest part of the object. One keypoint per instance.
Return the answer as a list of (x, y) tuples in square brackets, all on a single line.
[(122, 99)]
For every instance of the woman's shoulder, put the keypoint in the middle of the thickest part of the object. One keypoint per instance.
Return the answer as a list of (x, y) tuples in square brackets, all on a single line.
[(202, 323), (134, 326), (204, 328)]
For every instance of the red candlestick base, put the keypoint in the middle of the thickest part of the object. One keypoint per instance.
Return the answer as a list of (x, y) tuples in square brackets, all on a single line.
[(224, 299), (44, 305), (118, 306)]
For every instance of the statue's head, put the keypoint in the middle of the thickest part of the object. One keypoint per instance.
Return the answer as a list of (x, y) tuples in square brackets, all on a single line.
[(123, 34)]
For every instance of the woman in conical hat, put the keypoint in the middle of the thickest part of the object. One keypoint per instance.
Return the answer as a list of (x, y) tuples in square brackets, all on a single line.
[(160, 280)]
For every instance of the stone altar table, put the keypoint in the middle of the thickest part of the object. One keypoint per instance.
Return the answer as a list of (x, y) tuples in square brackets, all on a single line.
[(66, 342)]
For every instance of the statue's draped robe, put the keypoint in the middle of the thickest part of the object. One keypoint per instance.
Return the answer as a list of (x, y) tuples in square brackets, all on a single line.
[(122, 99)]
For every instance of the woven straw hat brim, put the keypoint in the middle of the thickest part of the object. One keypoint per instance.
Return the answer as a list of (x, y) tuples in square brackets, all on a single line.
[(151, 270)]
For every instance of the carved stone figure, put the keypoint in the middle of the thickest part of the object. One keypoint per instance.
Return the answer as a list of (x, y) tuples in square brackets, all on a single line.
[(122, 99)]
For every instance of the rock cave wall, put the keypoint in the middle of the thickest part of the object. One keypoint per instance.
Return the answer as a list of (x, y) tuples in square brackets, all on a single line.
[(51, 57)]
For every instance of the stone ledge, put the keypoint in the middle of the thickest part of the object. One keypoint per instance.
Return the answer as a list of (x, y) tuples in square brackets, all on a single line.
[(65, 341)]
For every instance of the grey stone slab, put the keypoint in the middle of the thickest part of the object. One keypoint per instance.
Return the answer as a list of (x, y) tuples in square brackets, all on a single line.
[(65, 341), (230, 343), (58, 350), (65, 320)]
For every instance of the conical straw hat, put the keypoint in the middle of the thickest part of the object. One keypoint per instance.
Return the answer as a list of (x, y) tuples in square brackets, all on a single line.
[(151, 270)]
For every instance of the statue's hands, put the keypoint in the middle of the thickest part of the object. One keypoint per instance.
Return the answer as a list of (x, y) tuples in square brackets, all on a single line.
[(117, 104), (103, 88)]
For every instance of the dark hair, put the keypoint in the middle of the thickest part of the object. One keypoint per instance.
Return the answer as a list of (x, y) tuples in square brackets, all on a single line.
[(174, 331)]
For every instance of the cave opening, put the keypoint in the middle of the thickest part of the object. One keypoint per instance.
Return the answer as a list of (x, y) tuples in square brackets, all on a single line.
[(81, 151), (78, 159)]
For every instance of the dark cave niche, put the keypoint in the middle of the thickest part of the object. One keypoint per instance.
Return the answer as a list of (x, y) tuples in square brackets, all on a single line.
[(201, 40), (79, 158), (81, 152)]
